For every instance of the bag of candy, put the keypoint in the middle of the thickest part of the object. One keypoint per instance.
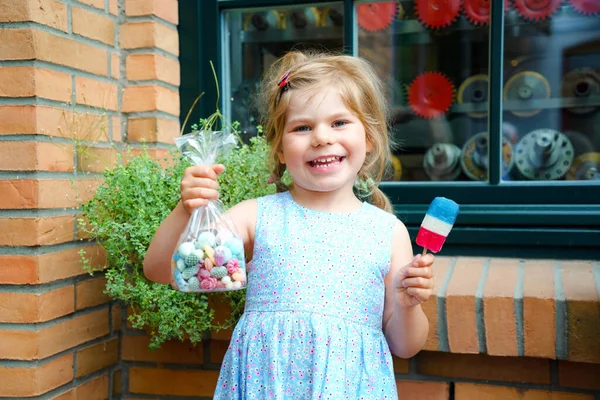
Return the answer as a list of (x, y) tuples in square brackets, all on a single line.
[(209, 255)]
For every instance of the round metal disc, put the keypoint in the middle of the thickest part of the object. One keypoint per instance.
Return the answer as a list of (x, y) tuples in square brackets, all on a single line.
[(526, 87), (544, 154)]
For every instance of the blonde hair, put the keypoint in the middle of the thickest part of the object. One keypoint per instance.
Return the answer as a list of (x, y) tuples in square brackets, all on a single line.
[(362, 93)]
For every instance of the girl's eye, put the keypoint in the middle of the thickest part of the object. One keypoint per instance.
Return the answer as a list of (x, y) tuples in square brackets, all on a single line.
[(339, 123), (302, 128)]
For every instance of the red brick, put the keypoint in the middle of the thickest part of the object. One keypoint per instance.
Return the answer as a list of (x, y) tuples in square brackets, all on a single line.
[(46, 193), (98, 356), (483, 367), (97, 159), (27, 81), (150, 98), (94, 389), (116, 318), (440, 267), (460, 305), (46, 12), (28, 44), (137, 35), (44, 342), (116, 129), (582, 312), (172, 382), (34, 381), (499, 306), (36, 307), (19, 231), (36, 156), (222, 313), (49, 267), (468, 391), (113, 6), (135, 348), (217, 350), (416, 390), (579, 375), (152, 130), (152, 66), (93, 25), (115, 65), (165, 9), (53, 122), (539, 325), (90, 293), (95, 93)]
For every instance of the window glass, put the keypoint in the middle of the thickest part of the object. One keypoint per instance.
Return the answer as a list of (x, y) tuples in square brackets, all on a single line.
[(257, 37), (433, 58), (552, 90)]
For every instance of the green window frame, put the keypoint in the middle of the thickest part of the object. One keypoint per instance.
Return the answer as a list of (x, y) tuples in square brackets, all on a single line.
[(528, 219)]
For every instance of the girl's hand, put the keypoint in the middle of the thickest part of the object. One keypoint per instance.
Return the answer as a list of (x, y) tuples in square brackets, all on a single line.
[(414, 282), (198, 185)]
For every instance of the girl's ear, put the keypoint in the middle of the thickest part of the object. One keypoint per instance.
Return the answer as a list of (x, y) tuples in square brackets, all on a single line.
[(281, 157)]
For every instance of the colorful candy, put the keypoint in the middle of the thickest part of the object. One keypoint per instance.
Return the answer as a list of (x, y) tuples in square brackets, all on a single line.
[(211, 262), (437, 224)]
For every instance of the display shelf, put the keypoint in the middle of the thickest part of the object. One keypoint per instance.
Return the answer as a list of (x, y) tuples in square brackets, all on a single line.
[(515, 105)]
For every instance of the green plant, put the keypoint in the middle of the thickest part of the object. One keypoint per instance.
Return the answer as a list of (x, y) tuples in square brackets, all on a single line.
[(123, 217)]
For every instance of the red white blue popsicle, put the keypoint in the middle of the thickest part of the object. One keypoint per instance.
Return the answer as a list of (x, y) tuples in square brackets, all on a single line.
[(437, 224)]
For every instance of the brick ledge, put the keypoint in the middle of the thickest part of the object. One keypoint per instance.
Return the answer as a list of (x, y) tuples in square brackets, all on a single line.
[(515, 307)]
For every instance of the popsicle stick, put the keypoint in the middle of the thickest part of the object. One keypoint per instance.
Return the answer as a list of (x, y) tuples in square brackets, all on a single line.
[(424, 251)]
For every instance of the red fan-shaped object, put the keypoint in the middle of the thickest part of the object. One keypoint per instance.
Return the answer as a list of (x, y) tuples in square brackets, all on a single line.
[(376, 16), (436, 14), (536, 10), (586, 7), (430, 95)]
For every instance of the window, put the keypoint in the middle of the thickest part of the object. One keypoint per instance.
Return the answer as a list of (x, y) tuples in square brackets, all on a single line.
[(497, 109)]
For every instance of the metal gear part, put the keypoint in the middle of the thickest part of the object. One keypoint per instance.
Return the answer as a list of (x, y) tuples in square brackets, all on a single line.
[(536, 10), (442, 162), (586, 7), (475, 160), (544, 154), (586, 167), (430, 95), (437, 14), (581, 83), (375, 17), (474, 89), (525, 87), (477, 11)]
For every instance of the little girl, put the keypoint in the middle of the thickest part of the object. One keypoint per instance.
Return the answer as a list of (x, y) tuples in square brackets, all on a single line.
[(333, 286)]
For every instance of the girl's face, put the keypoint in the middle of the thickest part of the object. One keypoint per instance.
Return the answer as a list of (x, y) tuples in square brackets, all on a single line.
[(324, 145)]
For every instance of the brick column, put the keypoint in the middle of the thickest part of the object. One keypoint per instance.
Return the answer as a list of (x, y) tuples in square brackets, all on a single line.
[(76, 79)]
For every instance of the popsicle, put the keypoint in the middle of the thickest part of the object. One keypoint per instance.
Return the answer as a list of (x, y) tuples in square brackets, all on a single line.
[(437, 224)]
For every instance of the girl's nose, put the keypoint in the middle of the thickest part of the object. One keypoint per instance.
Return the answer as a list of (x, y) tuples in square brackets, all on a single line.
[(322, 135)]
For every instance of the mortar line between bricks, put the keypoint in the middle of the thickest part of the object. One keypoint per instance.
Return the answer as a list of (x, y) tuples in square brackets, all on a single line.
[(46, 249), (560, 314), (36, 212), (56, 67), (38, 326), (57, 32), (107, 6), (151, 114), (157, 82), (69, 19), (151, 18), (38, 101), (37, 289), (90, 8), (152, 50), (71, 384), (23, 175), (442, 320), (479, 308), (518, 309)]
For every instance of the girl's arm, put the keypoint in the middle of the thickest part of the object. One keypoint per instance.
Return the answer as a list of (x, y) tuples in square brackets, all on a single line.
[(199, 184), (408, 284)]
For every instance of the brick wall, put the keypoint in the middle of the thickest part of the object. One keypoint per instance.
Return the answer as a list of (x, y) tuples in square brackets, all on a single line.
[(79, 80)]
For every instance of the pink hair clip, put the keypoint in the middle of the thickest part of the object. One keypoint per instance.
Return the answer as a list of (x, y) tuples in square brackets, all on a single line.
[(284, 82)]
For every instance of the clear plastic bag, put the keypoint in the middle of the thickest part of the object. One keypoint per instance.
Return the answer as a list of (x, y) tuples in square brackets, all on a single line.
[(209, 255)]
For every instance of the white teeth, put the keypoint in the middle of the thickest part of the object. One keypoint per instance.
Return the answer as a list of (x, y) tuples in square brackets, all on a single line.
[(326, 160)]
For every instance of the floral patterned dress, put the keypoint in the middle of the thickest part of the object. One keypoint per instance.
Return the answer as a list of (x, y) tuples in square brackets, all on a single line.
[(312, 327)]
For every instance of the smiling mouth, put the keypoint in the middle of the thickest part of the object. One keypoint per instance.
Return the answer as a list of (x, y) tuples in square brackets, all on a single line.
[(325, 162)]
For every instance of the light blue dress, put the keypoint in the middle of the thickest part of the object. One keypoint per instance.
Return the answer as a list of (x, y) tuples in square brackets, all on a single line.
[(312, 327)]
